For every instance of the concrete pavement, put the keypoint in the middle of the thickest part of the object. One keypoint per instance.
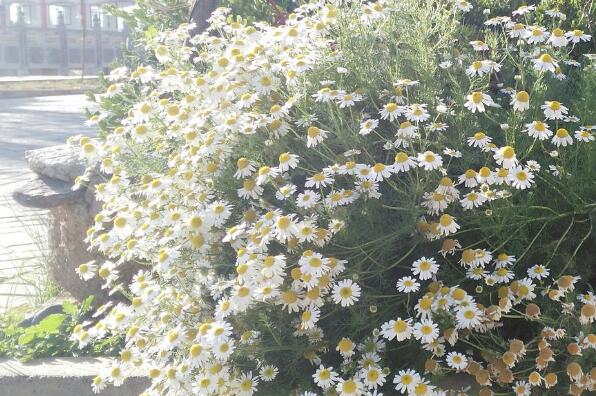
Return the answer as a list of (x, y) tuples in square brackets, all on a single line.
[(28, 123)]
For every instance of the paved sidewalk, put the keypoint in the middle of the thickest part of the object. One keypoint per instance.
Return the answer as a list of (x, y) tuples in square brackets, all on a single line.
[(62, 377), (28, 123)]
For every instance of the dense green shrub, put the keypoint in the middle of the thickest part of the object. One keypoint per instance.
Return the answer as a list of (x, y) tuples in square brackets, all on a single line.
[(449, 160), (52, 336)]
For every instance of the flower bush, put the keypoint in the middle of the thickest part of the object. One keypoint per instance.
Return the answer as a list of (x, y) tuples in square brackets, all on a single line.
[(362, 201)]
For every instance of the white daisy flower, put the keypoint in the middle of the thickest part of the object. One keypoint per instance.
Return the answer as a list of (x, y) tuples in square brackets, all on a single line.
[(468, 317), (287, 161), (562, 138), (521, 178), (520, 101), (425, 268), (558, 38), (400, 329), (349, 387), (583, 135), (538, 130), (426, 331), (505, 156), (538, 271), (265, 174), (479, 45), (406, 380), (318, 180), (268, 373), (307, 199), (517, 30), (309, 317), (87, 270), (456, 360), (545, 63), (391, 111), (447, 225), (403, 162), (480, 139), (476, 102), (429, 160), (345, 292), (417, 113), (522, 10), (576, 36), (407, 284), (536, 35), (314, 136), (472, 200), (325, 377), (368, 126), (246, 384)]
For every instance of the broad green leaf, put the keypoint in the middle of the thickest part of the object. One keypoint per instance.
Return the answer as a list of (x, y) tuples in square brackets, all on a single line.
[(86, 305), (27, 336), (69, 308), (51, 323)]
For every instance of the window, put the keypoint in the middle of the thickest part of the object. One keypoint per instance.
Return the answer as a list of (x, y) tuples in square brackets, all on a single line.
[(20, 13), (60, 15), (100, 16)]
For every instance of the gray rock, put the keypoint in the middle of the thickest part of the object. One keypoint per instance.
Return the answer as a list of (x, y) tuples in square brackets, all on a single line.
[(45, 192), (40, 315), (60, 162), (63, 376)]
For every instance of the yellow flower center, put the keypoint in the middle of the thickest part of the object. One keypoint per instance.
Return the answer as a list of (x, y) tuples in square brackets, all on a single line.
[(378, 167), (522, 96), (243, 291), (546, 58), (345, 292), (522, 176), (477, 97), (446, 220), (345, 345), (349, 386), (401, 157), (391, 107), (246, 385), (306, 316), (400, 326), (508, 152), (313, 132), (426, 329)]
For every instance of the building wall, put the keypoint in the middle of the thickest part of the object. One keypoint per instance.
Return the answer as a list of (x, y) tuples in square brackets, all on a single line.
[(58, 37)]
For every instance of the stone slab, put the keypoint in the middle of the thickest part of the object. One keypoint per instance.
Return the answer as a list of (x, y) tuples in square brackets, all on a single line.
[(60, 162), (61, 377), (46, 192), (27, 124)]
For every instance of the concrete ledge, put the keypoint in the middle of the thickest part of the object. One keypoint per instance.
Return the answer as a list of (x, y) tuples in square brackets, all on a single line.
[(61, 377), (41, 92)]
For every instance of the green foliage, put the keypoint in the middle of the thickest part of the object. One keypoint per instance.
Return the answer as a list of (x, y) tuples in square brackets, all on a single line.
[(51, 336), (550, 224), (260, 10)]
